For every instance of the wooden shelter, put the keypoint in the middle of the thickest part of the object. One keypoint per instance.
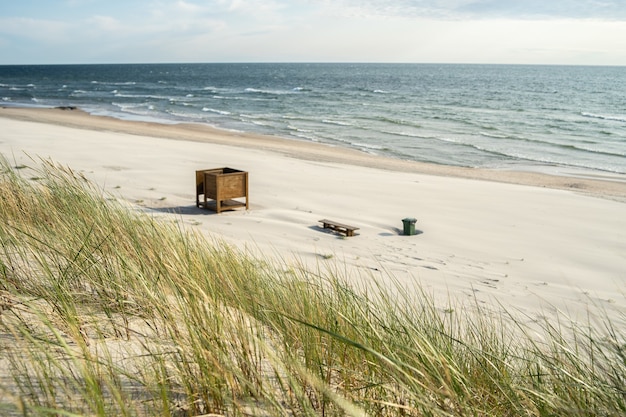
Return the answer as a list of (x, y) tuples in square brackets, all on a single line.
[(222, 186)]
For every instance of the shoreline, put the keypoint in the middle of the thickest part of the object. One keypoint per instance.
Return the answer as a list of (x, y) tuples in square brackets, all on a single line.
[(597, 184)]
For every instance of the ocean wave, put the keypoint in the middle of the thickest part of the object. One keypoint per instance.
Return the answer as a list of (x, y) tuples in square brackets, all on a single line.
[(256, 90), (17, 87), (216, 111), (251, 116), (268, 92), (536, 156), (396, 121), (604, 117), (336, 122), (575, 147), (494, 153), (114, 83), (409, 135), (225, 98), (305, 136), (546, 160), (370, 146), (299, 129), (20, 87), (495, 136), (261, 123), (144, 96), (185, 116), (129, 107)]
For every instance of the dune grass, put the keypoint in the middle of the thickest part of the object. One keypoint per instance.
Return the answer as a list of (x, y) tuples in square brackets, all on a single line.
[(107, 311)]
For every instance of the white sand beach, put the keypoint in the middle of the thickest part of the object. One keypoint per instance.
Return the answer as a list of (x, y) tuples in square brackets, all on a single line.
[(527, 241)]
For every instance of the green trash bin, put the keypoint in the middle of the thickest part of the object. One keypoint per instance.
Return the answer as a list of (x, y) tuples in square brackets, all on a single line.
[(409, 226)]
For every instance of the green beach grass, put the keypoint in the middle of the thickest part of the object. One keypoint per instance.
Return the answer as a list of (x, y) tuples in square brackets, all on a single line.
[(105, 310)]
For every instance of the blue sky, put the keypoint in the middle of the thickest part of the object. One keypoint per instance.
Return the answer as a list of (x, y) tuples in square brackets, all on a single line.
[(587, 32)]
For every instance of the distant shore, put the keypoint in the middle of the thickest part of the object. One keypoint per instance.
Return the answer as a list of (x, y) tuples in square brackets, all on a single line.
[(604, 185)]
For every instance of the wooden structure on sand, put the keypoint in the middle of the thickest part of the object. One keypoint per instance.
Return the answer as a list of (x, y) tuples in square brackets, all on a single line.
[(339, 227), (222, 186)]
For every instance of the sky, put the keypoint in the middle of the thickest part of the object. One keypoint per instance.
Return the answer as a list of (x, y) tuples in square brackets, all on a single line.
[(567, 32)]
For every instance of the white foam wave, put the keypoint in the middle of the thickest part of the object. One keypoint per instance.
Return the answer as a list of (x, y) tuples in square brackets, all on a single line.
[(255, 90), (225, 98), (269, 92), (604, 117), (298, 129), (336, 122), (128, 107), (368, 146), (493, 135), (408, 134), (258, 123), (210, 110), (185, 116), (115, 83), (303, 136), (150, 96), (17, 87), (250, 116)]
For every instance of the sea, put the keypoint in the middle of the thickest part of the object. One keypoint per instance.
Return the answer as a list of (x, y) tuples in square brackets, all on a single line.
[(519, 117)]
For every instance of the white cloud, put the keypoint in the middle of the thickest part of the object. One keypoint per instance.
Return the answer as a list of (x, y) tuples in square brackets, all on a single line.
[(480, 9), (48, 31), (106, 23), (188, 7)]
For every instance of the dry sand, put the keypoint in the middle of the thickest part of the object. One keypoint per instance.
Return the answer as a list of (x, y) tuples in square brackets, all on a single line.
[(528, 241)]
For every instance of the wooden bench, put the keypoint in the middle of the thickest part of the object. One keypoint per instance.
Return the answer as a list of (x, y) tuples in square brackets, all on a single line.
[(338, 227)]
